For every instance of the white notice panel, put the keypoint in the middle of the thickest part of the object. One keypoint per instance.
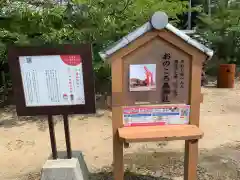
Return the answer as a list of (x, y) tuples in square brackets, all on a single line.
[(53, 80), (166, 114)]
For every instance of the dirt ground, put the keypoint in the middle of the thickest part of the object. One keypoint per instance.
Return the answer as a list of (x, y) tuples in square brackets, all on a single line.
[(25, 146)]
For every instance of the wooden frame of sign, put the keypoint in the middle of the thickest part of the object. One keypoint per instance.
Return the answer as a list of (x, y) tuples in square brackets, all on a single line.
[(73, 62), (145, 49)]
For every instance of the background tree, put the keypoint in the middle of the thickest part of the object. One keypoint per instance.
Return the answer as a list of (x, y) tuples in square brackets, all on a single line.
[(100, 22), (222, 32)]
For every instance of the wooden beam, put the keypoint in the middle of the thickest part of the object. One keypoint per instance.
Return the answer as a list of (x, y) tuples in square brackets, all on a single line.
[(195, 96), (191, 147), (191, 160), (159, 133), (117, 120), (118, 164)]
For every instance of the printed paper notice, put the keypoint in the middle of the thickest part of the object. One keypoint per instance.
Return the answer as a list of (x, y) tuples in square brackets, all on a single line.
[(156, 115), (55, 80)]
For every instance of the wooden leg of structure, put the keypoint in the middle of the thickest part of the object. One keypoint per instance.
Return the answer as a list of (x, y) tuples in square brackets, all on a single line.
[(191, 160), (118, 166)]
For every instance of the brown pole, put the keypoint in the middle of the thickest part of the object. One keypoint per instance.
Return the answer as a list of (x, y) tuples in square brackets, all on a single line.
[(52, 136), (67, 136), (191, 160)]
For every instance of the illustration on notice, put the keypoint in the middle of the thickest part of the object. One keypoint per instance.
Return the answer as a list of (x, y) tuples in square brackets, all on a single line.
[(142, 77)]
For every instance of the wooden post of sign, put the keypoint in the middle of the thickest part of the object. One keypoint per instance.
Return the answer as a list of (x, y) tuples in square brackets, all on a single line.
[(52, 136), (191, 159), (117, 121), (191, 146), (67, 136), (117, 147)]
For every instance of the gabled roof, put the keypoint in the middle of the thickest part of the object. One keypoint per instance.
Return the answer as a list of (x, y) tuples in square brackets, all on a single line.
[(146, 28)]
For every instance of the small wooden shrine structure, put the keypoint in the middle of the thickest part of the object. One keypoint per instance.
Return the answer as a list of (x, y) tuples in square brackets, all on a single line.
[(173, 63)]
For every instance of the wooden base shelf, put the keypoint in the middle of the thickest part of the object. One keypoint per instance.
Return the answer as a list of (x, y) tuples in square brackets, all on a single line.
[(159, 133)]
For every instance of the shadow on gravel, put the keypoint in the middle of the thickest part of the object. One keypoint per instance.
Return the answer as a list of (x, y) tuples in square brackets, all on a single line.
[(222, 163), (162, 164), (127, 176), (102, 176)]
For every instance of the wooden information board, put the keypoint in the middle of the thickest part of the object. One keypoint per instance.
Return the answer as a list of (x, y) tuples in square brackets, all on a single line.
[(52, 80), (156, 65)]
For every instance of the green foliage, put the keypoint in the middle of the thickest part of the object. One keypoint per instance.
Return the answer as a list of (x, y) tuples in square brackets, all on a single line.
[(100, 22), (222, 30)]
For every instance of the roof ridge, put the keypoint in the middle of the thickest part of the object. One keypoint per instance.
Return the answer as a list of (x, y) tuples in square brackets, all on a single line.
[(146, 28)]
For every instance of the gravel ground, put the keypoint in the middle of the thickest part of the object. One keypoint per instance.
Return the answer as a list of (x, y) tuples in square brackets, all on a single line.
[(24, 144)]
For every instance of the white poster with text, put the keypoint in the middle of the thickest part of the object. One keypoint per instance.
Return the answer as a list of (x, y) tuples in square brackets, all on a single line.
[(54, 80)]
